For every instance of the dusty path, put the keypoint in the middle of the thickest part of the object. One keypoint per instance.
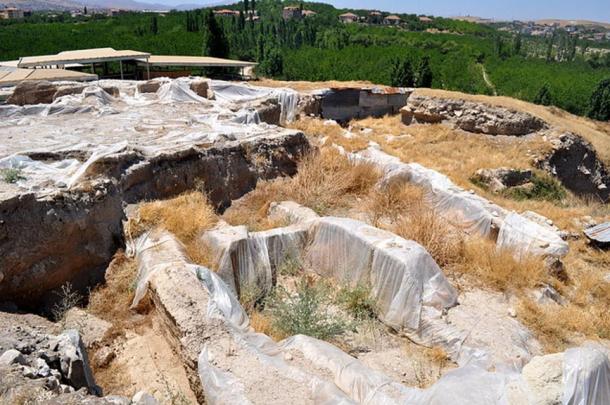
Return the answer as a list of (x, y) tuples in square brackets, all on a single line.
[(488, 80)]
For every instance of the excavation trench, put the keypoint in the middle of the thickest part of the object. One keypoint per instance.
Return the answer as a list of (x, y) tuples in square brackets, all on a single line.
[(71, 235)]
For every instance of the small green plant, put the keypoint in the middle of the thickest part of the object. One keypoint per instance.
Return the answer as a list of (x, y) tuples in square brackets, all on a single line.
[(544, 188), (12, 175), (249, 296), (290, 266), (307, 312), (477, 181), (357, 301), (67, 299)]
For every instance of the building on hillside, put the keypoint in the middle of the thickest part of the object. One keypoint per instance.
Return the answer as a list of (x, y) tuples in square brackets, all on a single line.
[(375, 17), (292, 13), (11, 13), (348, 18), (309, 13), (425, 19), (226, 12), (392, 20)]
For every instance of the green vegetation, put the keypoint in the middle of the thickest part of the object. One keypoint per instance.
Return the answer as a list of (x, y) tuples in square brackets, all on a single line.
[(599, 107), (306, 312), (443, 53), (357, 302), (12, 175), (544, 96), (543, 188)]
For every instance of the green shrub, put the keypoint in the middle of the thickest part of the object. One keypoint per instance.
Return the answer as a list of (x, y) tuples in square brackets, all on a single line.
[(599, 106), (357, 301), (544, 188), (290, 266), (12, 175), (307, 312)]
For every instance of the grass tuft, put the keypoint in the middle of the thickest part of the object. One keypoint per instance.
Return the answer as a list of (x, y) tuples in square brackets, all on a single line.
[(12, 176)]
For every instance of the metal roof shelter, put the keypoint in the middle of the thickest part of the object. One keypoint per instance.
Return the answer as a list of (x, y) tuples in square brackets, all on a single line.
[(11, 76), (102, 55), (198, 61), (83, 56)]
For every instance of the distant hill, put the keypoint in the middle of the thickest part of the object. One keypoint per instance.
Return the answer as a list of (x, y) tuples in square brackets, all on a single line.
[(547, 21), (564, 23), (63, 5)]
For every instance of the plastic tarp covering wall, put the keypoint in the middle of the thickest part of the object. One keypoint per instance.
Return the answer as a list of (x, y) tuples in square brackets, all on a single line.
[(222, 387), (245, 260), (586, 376), (402, 275), (233, 92), (467, 211), (464, 210), (155, 251), (524, 236)]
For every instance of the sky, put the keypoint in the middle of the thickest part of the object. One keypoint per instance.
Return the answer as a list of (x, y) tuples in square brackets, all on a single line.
[(596, 10)]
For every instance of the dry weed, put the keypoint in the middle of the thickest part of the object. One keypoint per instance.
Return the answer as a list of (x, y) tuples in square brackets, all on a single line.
[(326, 181), (500, 269), (331, 134), (185, 216), (391, 203)]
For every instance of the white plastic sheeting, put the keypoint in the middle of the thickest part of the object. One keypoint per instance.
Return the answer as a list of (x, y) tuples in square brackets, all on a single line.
[(179, 91), (585, 382), (524, 236), (402, 275), (155, 252), (250, 260), (586, 376), (93, 121), (465, 210), (222, 387), (228, 92)]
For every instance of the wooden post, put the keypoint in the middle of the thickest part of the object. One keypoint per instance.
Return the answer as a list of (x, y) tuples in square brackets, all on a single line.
[(93, 68), (147, 69), (121, 68)]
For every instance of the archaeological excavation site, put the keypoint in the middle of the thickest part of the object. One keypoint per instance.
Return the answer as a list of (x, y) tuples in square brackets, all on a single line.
[(190, 241)]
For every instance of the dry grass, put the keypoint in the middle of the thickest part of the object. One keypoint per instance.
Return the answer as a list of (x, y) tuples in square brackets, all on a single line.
[(326, 181), (459, 155), (111, 301), (500, 269), (392, 202), (595, 132), (585, 315), (331, 134), (308, 86), (263, 323), (185, 216)]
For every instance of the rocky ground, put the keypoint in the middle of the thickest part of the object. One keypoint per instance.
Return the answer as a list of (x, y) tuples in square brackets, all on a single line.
[(196, 241)]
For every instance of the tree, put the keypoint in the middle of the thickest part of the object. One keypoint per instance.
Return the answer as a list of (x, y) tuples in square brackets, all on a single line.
[(214, 41), (517, 45), (273, 64), (402, 74), (85, 11), (246, 6), (424, 73), (599, 105), (154, 25), (544, 96)]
